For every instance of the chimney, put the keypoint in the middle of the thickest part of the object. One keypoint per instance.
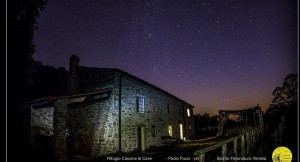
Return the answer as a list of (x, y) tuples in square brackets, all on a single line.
[(73, 74)]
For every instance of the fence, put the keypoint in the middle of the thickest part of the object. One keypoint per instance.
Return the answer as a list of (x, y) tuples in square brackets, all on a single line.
[(232, 148)]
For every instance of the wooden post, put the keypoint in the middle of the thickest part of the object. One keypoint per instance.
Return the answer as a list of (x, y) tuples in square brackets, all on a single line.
[(261, 122), (201, 157), (248, 141), (254, 118), (224, 151), (253, 138), (243, 145), (221, 122), (235, 148)]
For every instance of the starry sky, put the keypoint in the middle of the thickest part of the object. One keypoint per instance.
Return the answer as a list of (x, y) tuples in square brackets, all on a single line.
[(213, 54)]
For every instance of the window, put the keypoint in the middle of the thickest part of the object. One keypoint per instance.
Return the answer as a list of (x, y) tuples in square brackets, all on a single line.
[(170, 130), (153, 131), (168, 107), (190, 127), (188, 112), (181, 131), (140, 104)]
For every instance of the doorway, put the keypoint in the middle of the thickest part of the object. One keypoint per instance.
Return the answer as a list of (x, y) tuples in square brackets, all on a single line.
[(141, 138)]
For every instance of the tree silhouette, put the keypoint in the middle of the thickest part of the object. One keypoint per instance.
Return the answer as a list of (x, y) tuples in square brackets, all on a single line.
[(48, 81), (21, 22), (287, 94), (205, 124), (284, 106)]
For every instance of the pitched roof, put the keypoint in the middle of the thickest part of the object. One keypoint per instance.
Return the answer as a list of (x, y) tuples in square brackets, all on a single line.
[(50, 99), (138, 79)]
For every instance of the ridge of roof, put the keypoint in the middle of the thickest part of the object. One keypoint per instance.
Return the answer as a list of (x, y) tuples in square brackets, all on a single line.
[(139, 79)]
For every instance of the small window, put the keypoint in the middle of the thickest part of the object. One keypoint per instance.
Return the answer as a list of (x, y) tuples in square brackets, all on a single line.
[(153, 131), (170, 130), (140, 104), (190, 127), (188, 112), (168, 107)]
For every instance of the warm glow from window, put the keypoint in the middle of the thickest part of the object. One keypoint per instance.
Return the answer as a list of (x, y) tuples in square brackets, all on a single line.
[(170, 129), (181, 131), (188, 112)]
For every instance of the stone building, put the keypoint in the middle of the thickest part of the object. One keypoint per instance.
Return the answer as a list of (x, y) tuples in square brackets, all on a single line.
[(108, 111)]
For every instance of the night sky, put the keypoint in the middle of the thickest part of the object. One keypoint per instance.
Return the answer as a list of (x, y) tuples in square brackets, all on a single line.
[(224, 54)]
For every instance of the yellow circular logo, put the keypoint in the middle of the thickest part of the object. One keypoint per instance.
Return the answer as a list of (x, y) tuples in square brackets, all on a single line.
[(282, 154)]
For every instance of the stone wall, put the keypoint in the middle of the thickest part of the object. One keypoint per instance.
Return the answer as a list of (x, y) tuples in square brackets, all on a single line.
[(41, 120), (95, 128), (83, 123), (41, 129), (189, 122), (156, 118), (59, 127), (96, 125), (106, 138), (156, 115), (161, 110)]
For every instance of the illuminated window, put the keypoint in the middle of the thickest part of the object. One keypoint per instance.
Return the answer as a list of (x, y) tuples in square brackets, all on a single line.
[(170, 129), (188, 112), (181, 131), (140, 104)]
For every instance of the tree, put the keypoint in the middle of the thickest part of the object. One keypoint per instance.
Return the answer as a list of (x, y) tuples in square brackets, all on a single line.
[(281, 116), (278, 133), (287, 94), (48, 81), (205, 125), (21, 22)]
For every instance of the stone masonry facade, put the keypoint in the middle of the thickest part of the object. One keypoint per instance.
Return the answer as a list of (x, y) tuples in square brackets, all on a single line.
[(42, 118), (160, 111), (91, 110)]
